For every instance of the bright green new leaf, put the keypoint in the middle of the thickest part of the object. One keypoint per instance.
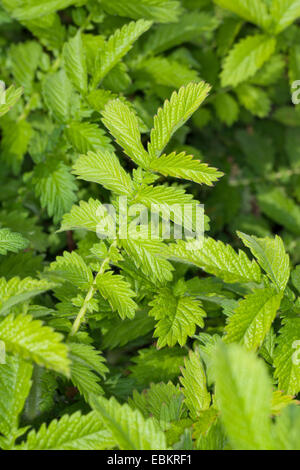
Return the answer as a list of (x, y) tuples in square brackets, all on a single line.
[(218, 259), (176, 318), (174, 114), (287, 357), (246, 58), (253, 317), (270, 254), (31, 340), (117, 46), (118, 292), (75, 432), (15, 383), (162, 11), (55, 187), (16, 291), (284, 13), (185, 166), (11, 241), (149, 256), (37, 8), (12, 95), (122, 123), (193, 380), (85, 136), (87, 215), (255, 11), (57, 91), (104, 168), (72, 267), (75, 62)]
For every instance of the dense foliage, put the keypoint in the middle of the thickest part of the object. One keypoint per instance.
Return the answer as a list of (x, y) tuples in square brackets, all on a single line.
[(140, 342)]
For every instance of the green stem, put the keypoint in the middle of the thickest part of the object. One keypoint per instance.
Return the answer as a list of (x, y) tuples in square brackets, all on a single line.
[(55, 65), (27, 108), (86, 23), (81, 315)]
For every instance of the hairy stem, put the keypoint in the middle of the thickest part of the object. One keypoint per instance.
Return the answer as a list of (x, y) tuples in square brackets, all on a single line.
[(80, 317)]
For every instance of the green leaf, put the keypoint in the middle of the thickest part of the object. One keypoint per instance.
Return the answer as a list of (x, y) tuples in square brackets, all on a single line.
[(274, 202), (255, 11), (72, 267), (85, 136), (246, 58), (161, 401), (252, 319), (284, 12), (122, 123), (193, 380), (75, 62), (117, 46), (244, 395), (12, 95), (172, 203), (280, 402), (167, 36), (14, 144), (49, 29), (286, 430), (87, 365), (270, 254), (168, 72), (23, 69), (180, 165), (99, 98), (121, 332), (296, 278), (55, 186), (16, 290), (11, 241), (271, 72), (130, 430), (161, 194), (15, 383), (259, 151), (227, 108), (57, 91), (104, 168), (118, 292), (149, 256), (31, 340), (174, 114), (286, 358), (75, 432), (219, 259), (37, 8), (209, 431), (254, 99), (152, 365), (176, 317), (162, 11), (88, 216)]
